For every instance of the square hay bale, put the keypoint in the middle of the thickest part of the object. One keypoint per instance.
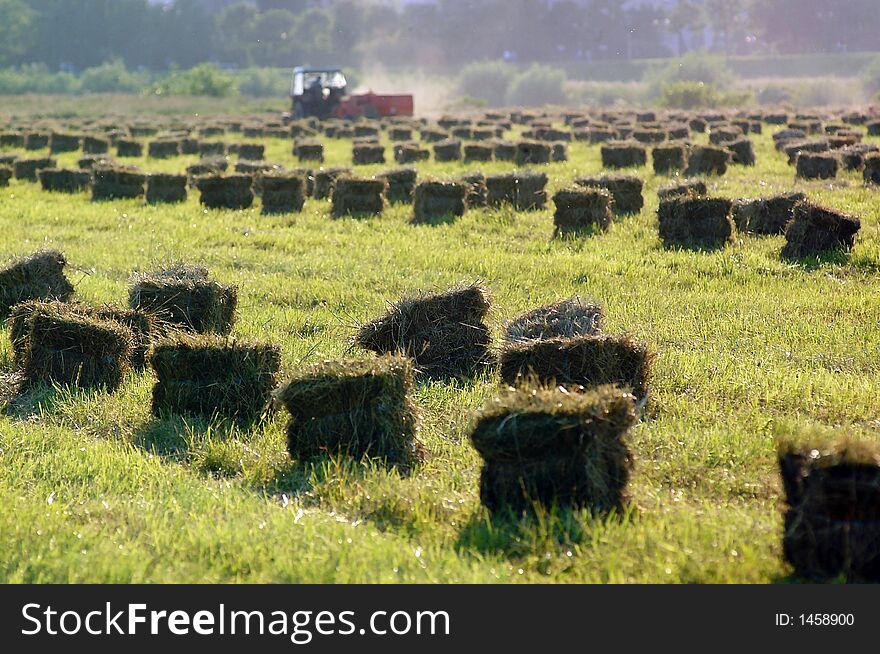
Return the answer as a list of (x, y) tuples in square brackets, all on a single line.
[(448, 150), (26, 169), (832, 519), (358, 195), (678, 133), (367, 130), (163, 149), (166, 188), (742, 152), (485, 134), (478, 152), (623, 154), (567, 318), (724, 134), (366, 154), (794, 149), (405, 153), (871, 170), (142, 325), (39, 276), (206, 149), (695, 222), (546, 447), (504, 150), (814, 230), (251, 151), (5, 175), (283, 193), (400, 134), (444, 333), (401, 184), (8, 159), (36, 141), (626, 190), (707, 160), (186, 298), (873, 128), (117, 183), (309, 150), (129, 148), (433, 135), (821, 165), (852, 157), (669, 158), (11, 140), (587, 361), (213, 376), (476, 192), (603, 135), (60, 180), (462, 133), (92, 161), (558, 152), (212, 130), (434, 200), (766, 215), (532, 152), (212, 166), (579, 209), (360, 409), (234, 191), (325, 181), (525, 191), (308, 176), (72, 350), (649, 136), (60, 142), (95, 145)]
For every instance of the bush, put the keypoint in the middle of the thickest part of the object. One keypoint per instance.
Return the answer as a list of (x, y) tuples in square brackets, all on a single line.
[(688, 95), (871, 76), (693, 67), (775, 93), (36, 78), (111, 77), (488, 81), (537, 85), (264, 82), (204, 79)]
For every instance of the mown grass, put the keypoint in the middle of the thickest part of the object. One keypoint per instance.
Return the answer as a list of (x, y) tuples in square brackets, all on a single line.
[(93, 488)]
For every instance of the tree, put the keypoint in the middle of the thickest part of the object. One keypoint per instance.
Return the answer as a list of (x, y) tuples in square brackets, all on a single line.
[(16, 31)]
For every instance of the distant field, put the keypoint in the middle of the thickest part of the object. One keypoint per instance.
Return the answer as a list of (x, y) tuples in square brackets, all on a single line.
[(94, 489)]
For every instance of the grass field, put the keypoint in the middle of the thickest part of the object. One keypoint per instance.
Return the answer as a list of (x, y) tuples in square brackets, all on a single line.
[(94, 489)]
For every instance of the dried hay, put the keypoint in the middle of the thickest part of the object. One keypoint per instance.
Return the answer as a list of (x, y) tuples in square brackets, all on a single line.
[(448, 150), (872, 168), (163, 149), (626, 190), (564, 319), (669, 158), (405, 153), (128, 148), (817, 166), (95, 145), (60, 142), (251, 151), (165, 188), (815, 230), (742, 152), (434, 200), (476, 192), (581, 209), (59, 180), (366, 154), (36, 141), (401, 184), (358, 196), (226, 191), (325, 181), (26, 169), (283, 193), (695, 222), (309, 150), (707, 160), (532, 152), (623, 154), (39, 276), (766, 215), (478, 152)]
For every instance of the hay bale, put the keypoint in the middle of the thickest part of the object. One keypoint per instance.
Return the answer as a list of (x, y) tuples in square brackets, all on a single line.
[(361, 409), (163, 149), (142, 325), (283, 193), (444, 333), (401, 184), (26, 169), (117, 183), (400, 134), (476, 192), (59, 180), (724, 134), (832, 520), (8, 159), (815, 230), (696, 187), (90, 162), (60, 142), (37, 277), (626, 190), (325, 181), (567, 318), (72, 350), (5, 175), (436, 200), (433, 135), (766, 215), (853, 157), (695, 222), (817, 166), (504, 151), (448, 150), (358, 195), (309, 150), (669, 158), (871, 171), (213, 166), (210, 376), (795, 148), (366, 154), (532, 152), (707, 160), (186, 298), (649, 136), (11, 140), (226, 191), (36, 141), (95, 145), (525, 191), (602, 135), (165, 188), (623, 154), (251, 151), (580, 209), (129, 148), (551, 448), (308, 176), (207, 149), (405, 153), (743, 152), (587, 361), (478, 152), (363, 130)]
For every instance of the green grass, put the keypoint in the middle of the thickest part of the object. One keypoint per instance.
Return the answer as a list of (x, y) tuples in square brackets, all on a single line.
[(93, 489)]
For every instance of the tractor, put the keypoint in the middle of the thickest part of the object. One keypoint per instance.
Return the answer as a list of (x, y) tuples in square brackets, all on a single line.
[(321, 92)]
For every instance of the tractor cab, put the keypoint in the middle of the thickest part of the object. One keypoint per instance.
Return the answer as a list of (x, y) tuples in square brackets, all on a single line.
[(316, 92)]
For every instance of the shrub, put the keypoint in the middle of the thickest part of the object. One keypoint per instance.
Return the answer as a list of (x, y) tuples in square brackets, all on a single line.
[(688, 95), (204, 79), (537, 85), (693, 67), (486, 81), (871, 76), (264, 82), (110, 77)]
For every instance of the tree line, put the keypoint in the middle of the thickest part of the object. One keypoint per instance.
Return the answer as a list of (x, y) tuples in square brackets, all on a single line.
[(79, 34)]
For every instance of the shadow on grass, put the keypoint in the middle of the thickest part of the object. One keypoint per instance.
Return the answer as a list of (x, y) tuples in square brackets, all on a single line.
[(434, 221), (834, 258), (23, 403)]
